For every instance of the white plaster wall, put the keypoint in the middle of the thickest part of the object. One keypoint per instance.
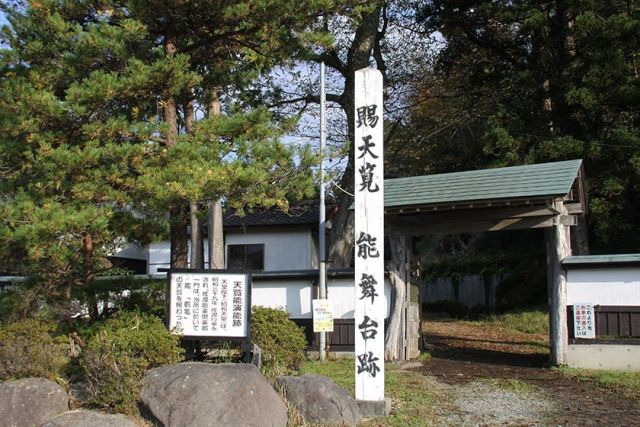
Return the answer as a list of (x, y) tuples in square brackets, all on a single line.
[(284, 250), (131, 251), (293, 296), (159, 255), (605, 286), (296, 296)]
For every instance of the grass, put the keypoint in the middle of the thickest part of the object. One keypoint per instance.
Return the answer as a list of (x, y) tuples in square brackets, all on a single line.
[(625, 382), (412, 398), (535, 321)]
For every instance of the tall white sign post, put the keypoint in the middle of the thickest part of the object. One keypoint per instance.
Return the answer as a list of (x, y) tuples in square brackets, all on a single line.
[(370, 306)]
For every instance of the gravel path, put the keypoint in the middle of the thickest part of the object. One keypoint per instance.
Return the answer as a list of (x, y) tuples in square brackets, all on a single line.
[(489, 377)]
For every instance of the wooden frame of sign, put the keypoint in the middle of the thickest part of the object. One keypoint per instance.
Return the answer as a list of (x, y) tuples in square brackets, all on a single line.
[(204, 312)]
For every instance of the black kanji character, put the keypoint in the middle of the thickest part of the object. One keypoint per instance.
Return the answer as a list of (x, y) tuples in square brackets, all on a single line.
[(367, 363), (367, 246), (366, 176), (367, 116), (368, 287), (368, 328)]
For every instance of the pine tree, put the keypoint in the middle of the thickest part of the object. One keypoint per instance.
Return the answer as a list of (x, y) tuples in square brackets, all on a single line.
[(93, 150)]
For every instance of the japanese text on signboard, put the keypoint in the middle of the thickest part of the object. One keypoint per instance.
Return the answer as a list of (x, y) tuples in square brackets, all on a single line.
[(209, 304), (370, 306), (584, 325)]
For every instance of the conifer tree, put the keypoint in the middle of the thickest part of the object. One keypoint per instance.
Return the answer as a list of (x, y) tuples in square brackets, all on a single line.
[(92, 144)]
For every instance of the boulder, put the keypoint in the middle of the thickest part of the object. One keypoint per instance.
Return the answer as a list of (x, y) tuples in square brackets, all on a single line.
[(89, 419), (319, 400), (31, 401), (202, 394)]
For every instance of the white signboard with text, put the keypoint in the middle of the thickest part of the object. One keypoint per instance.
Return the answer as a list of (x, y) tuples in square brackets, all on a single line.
[(584, 324), (370, 306), (209, 304), (322, 315)]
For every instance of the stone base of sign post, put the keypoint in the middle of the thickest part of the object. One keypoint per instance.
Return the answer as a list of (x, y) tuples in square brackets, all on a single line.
[(375, 408)]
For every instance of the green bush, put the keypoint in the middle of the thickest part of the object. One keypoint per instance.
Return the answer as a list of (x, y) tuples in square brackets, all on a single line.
[(117, 356), (282, 341), (29, 348)]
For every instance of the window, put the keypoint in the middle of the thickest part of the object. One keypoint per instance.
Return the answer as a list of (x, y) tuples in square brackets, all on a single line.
[(245, 257)]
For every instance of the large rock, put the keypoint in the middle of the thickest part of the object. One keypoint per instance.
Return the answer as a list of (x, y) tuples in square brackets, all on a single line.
[(31, 401), (202, 395), (89, 419), (320, 400)]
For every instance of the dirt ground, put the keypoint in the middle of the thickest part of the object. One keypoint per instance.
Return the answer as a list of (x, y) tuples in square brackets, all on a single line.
[(488, 376)]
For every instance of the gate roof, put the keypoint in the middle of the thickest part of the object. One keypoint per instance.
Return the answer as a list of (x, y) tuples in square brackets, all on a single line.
[(529, 196), (538, 181)]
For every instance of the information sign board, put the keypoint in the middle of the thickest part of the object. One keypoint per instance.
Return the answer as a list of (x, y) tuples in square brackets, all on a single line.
[(584, 325), (209, 304), (322, 315)]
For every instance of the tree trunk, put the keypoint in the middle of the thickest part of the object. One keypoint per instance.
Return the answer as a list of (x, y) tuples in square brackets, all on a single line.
[(216, 231), (341, 236), (89, 276), (216, 236), (394, 337), (178, 220), (197, 246)]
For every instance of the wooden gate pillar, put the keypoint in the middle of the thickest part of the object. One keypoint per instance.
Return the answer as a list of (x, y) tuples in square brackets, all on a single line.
[(558, 247)]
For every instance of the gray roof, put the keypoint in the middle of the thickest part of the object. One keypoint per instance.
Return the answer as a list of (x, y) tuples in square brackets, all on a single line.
[(531, 181), (298, 214)]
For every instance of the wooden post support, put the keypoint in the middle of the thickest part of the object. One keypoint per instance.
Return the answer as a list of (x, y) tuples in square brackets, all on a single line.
[(558, 247), (394, 340)]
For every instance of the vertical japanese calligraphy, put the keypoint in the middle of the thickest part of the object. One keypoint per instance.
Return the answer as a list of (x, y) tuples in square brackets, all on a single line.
[(370, 306), (209, 304), (584, 321)]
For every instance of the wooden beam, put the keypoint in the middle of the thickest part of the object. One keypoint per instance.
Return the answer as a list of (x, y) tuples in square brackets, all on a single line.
[(443, 226), (472, 205), (574, 208), (470, 215)]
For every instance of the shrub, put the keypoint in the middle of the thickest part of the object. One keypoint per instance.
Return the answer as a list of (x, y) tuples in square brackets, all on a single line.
[(28, 348), (116, 357), (282, 341)]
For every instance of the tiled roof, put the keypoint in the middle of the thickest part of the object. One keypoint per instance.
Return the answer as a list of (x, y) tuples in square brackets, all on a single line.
[(300, 214)]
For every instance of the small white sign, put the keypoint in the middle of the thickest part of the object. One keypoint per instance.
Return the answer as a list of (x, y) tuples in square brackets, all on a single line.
[(204, 304), (322, 315), (584, 321)]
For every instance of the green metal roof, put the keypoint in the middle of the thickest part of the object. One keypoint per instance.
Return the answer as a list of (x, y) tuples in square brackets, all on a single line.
[(601, 260), (530, 181)]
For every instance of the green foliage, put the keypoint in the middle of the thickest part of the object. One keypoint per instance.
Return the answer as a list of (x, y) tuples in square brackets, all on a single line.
[(282, 341), (514, 84), (128, 294), (120, 352), (31, 348), (86, 160)]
